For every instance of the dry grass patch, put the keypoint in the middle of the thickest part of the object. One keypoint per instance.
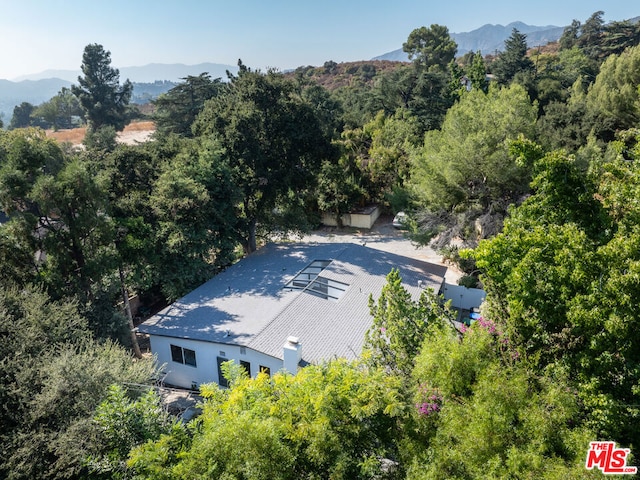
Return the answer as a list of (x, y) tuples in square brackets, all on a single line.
[(138, 131)]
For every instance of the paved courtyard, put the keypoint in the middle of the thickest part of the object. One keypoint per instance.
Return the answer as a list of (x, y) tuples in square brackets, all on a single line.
[(383, 236)]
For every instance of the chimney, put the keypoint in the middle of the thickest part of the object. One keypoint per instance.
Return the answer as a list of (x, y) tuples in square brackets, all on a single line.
[(292, 354)]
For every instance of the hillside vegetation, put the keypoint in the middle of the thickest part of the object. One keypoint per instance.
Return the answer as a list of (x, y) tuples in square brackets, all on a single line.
[(523, 169)]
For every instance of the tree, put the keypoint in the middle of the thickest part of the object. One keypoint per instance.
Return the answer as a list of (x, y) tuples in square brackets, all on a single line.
[(401, 325), (482, 412), (334, 420), (613, 100), (477, 73), (590, 35), (102, 97), (123, 423), (561, 277), (60, 110), (569, 38), (52, 378), (194, 202), (514, 58), (618, 36), (430, 48), (177, 109), (274, 143), (424, 94), (464, 171), (21, 115)]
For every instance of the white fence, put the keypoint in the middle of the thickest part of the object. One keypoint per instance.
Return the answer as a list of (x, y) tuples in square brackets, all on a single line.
[(463, 297)]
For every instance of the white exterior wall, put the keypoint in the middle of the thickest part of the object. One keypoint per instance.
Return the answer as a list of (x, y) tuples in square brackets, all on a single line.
[(356, 220), (329, 219), (463, 297), (206, 370), (360, 220)]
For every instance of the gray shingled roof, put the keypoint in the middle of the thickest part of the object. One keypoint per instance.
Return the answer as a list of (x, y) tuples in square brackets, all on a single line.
[(249, 305)]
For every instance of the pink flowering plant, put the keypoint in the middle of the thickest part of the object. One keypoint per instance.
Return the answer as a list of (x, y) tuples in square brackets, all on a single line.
[(501, 338), (429, 400)]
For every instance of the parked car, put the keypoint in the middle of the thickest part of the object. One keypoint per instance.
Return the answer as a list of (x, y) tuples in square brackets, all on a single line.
[(399, 220)]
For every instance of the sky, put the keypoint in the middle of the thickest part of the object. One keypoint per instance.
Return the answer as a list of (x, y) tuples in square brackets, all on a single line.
[(282, 34)]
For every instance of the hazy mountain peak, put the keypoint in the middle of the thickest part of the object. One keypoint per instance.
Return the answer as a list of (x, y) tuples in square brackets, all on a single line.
[(151, 72), (490, 38)]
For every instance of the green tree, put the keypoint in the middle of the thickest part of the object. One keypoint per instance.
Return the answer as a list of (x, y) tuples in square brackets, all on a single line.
[(60, 110), (560, 277), (424, 94), (194, 203), (618, 36), (514, 58), (99, 91), (401, 325), (177, 109), (339, 187), (477, 73), (590, 35), (21, 115), (124, 423), (430, 48), (483, 413), (465, 171), (613, 102), (58, 207), (52, 377), (569, 38), (329, 421), (274, 143)]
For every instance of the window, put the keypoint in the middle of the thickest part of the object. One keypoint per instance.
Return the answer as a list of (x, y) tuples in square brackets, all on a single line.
[(266, 370), (246, 365), (183, 355), (221, 380)]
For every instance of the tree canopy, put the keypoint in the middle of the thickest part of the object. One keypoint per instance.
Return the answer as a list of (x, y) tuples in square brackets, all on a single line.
[(274, 141), (99, 91)]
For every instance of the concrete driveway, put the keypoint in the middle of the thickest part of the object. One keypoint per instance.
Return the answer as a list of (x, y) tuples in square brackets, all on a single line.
[(383, 236)]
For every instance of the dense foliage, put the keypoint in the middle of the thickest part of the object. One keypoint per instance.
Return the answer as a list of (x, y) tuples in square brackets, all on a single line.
[(534, 168)]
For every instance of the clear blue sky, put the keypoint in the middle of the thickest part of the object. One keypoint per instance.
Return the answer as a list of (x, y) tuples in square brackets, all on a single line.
[(51, 34)]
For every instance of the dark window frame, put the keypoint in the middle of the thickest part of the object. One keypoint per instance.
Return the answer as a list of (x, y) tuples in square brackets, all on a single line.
[(221, 380), (247, 366), (183, 355)]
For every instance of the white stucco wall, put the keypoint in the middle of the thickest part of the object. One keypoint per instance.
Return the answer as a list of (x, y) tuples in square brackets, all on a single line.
[(206, 370), (462, 297), (353, 219), (362, 220)]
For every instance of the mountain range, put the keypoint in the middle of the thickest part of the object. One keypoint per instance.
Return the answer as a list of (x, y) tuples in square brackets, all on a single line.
[(153, 79), (489, 39), (149, 81), (142, 74)]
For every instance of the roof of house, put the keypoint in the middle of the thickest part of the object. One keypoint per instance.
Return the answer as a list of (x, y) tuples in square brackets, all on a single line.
[(255, 304)]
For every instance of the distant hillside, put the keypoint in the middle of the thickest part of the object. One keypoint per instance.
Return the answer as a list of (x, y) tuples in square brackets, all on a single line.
[(150, 73), (335, 75), (490, 38), (32, 91), (149, 81)]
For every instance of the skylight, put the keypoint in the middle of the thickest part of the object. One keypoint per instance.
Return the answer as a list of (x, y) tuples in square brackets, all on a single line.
[(310, 280)]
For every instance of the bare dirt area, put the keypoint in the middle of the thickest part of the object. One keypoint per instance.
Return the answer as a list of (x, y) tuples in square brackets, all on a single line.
[(134, 133), (383, 236)]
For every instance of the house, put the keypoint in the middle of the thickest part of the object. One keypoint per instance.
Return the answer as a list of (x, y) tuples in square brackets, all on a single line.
[(284, 306)]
